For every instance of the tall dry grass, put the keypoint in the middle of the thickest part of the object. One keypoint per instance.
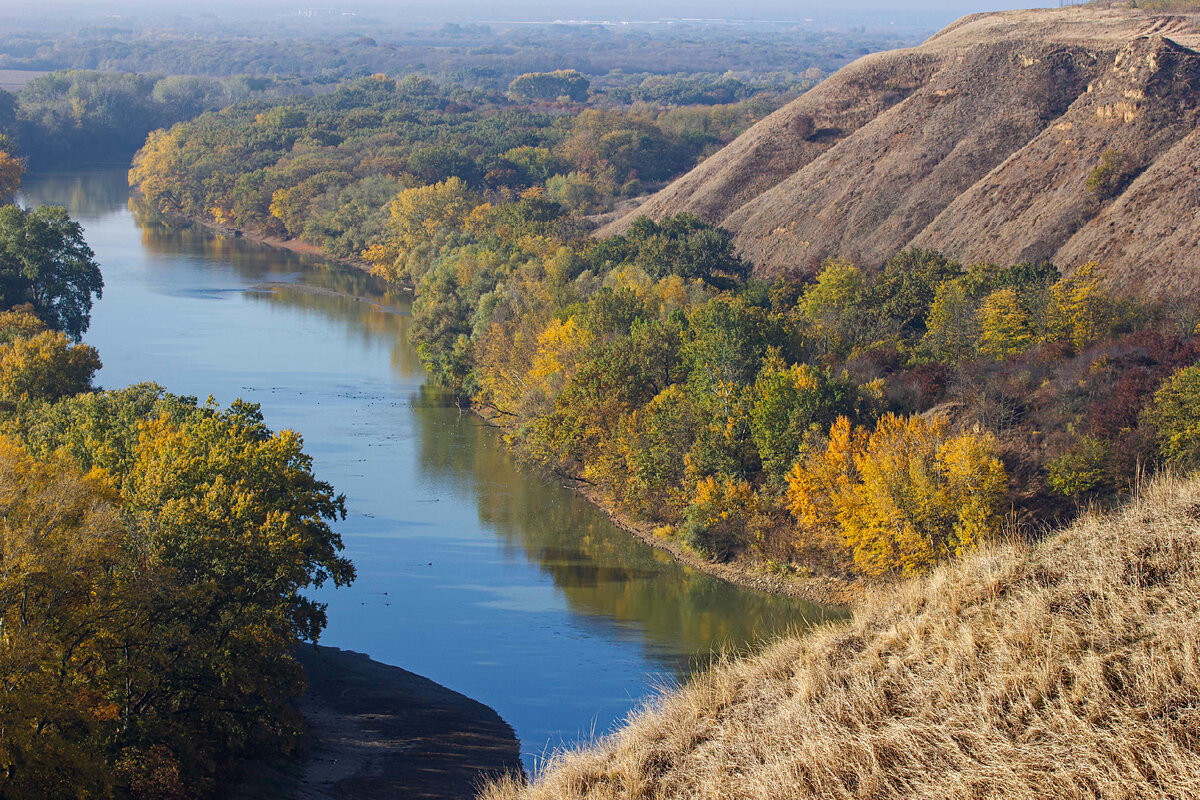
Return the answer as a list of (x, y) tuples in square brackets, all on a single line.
[(1065, 670)]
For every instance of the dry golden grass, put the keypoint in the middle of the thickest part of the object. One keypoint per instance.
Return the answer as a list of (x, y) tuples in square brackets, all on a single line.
[(1066, 670)]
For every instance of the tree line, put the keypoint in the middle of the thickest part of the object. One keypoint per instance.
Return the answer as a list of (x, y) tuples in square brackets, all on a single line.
[(76, 116), (856, 422), (325, 169), (758, 58)]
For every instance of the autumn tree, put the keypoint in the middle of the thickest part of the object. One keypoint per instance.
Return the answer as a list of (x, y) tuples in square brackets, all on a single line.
[(792, 402), (905, 496), (714, 522), (1082, 309), (60, 602), (11, 170), (200, 596), (652, 442), (952, 328), (417, 217), (1004, 325), (835, 307), (43, 368)]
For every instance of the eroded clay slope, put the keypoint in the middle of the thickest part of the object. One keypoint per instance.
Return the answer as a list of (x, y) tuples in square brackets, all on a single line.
[(979, 143)]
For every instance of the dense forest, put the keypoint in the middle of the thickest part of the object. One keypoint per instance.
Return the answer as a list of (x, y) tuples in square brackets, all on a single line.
[(110, 86), (866, 420), (76, 117), (774, 57), (325, 168), (154, 551)]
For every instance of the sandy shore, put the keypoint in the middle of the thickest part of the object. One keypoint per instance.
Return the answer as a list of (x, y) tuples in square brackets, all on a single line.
[(376, 732)]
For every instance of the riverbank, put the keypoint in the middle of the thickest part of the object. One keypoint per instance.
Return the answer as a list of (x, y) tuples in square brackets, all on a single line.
[(377, 732), (297, 246), (1061, 670), (823, 590)]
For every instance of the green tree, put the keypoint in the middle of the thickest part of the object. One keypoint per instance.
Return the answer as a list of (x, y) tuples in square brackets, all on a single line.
[(1174, 414), (45, 262), (909, 283), (835, 308), (789, 404), (952, 327), (550, 86)]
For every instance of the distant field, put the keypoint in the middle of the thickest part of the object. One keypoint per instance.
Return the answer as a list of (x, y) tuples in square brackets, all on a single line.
[(12, 80)]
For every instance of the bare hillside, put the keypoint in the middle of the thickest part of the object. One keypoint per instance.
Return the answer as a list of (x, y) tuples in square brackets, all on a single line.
[(980, 143), (1068, 670)]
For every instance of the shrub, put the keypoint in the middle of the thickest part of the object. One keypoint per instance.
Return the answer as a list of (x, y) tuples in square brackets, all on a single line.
[(1080, 470), (715, 521), (1175, 414), (1109, 176)]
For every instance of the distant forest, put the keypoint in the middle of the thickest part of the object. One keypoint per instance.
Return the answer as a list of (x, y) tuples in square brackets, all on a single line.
[(472, 55), (110, 86)]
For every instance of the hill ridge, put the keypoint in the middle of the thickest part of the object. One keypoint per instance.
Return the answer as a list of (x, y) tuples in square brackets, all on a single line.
[(979, 142)]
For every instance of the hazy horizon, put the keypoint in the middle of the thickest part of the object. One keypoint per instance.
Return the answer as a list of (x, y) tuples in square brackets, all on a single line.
[(850, 11)]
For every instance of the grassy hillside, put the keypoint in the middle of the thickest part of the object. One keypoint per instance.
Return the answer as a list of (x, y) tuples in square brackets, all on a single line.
[(1069, 669)]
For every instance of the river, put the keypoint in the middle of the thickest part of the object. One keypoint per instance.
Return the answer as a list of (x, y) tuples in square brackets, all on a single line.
[(484, 577)]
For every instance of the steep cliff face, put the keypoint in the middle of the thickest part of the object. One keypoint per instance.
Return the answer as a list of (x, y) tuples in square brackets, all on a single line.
[(980, 143)]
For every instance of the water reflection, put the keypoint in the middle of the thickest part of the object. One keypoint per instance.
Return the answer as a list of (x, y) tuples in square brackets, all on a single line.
[(610, 578), (486, 578), (88, 194)]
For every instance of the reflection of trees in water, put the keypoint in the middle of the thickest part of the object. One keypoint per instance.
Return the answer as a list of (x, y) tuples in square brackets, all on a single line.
[(361, 318), (605, 573), (92, 193), (172, 237), (357, 302)]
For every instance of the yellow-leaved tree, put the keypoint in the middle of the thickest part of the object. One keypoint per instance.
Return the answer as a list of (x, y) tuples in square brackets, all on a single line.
[(418, 217), (1082, 310), (952, 328), (559, 348), (1004, 326), (715, 519), (38, 365), (902, 497), (833, 305), (820, 490)]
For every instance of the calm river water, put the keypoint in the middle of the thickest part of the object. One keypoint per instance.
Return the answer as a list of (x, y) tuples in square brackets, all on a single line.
[(483, 577)]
